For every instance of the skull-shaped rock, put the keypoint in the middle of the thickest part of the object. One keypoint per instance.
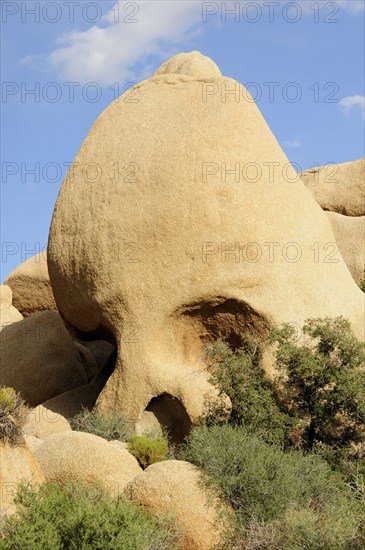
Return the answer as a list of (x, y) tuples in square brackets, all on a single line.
[(180, 221)]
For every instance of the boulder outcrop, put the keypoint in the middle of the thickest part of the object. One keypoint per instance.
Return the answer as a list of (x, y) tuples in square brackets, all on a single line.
[(201, 230), (338, 187), (18, 464), (86, 458), (42, 422), (8, 313), (32, 291), (349, 233), (39, 359), (174, 487)]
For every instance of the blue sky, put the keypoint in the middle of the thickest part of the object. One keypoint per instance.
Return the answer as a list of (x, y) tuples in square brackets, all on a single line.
[(303, 61)]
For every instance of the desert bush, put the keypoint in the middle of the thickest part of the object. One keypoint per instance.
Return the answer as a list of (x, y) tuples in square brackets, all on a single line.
[(12, 415), (238, 374), (324, 378), (282, 500), (148, 450), (78, 518), (110, 426)]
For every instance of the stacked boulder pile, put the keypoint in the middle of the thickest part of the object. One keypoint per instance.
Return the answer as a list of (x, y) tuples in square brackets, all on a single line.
[(340, 191), (165, 255)]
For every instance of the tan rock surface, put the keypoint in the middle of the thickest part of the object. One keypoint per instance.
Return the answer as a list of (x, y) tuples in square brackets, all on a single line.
[(338, 188), (173, 487), (190, 64), (87, 458), (33, 442), (18, 464), (8, 313), (101, 350), (349, 233), (70, 403), (88, 359), (32, 291), (42, 422), (39, 359), (149, 256)]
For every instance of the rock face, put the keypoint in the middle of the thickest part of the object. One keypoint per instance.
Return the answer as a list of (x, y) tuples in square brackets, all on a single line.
[(42, 422), (18, 464), (205, 231), (338, 188), (190, 64), (8, 313), (39, 359), (33, 442), (32, 291), (86, 458), (349, 233), (173, 487), (101, 350), (70, 403)]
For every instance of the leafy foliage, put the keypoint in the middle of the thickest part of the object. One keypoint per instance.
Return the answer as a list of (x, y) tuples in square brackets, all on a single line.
[(283, 500), (80, 518), (148, 450), (239, 375), (110, 426), (324, 378), (12, 415)]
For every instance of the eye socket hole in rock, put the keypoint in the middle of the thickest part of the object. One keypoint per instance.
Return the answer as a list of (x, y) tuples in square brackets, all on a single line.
[(169, 413), (226, 319)]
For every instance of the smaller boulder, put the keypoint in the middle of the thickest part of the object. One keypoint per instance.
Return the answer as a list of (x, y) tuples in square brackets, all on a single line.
[(8, 313), (87, 458), (101, 350), (72, 402), (42, 422), (88, 359), (18, 464), (349, 233), (39, 359), (338, 188), (174, 487), (119, 443), (31, 286)]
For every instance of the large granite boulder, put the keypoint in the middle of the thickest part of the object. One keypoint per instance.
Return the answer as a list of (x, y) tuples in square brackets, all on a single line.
[(182, 221)]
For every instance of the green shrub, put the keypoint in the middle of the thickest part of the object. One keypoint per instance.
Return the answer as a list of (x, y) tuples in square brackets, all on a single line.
[(110, 426), (239, 375), (12, 415), (282, 500), (79, 518), (148, 450), (324, 377)]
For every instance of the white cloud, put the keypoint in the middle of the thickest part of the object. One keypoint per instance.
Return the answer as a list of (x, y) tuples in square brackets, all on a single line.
[(348, 103), (292, 144), (108, 52), (118, 50), (353, 6)]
